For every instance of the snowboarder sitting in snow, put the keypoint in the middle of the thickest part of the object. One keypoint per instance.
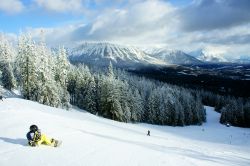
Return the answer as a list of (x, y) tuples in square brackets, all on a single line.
[(35, 138)]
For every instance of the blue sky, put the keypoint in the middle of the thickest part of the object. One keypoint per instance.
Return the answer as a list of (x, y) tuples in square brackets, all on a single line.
[(15, 23), (218, 26), (33, 15)]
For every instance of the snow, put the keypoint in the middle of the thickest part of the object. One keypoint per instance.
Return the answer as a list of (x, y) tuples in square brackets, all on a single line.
[(172, 56), (114, 52), (94, 141)]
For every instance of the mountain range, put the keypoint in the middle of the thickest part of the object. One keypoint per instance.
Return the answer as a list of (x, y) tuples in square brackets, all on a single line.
[(102, 54), (173, 56)]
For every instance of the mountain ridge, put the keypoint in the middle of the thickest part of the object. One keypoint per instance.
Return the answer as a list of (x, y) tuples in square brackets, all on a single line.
[(104, 53), (173, 56)]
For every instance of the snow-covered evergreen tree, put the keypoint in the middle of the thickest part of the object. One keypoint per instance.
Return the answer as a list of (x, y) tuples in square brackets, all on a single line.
[(47, 77), (47, 88), (8, 79), (26, 63), (61, 73), (6, 62), (247, 114), (90, 99), (112, 106), (62, 66), (154, 107), (135, 104), (71, 84)]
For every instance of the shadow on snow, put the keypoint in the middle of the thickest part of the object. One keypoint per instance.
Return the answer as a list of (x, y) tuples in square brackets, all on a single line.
[(17, 141)]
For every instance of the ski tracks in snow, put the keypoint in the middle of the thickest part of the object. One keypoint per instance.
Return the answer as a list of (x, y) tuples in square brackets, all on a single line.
[(94, 141)]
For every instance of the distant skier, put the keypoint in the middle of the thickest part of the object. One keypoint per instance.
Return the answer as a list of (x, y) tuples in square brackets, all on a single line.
[(148, 133), (1, 98), (36, 138)]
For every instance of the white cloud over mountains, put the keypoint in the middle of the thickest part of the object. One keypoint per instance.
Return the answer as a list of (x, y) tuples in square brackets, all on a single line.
[(160, 23), (216, 24), (214, 14), (137, 20)]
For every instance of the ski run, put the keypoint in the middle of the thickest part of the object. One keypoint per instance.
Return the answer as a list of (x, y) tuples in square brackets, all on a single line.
[(89, 140)]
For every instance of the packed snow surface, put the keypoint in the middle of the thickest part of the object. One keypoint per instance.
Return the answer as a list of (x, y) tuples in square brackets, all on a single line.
[(94, 141)]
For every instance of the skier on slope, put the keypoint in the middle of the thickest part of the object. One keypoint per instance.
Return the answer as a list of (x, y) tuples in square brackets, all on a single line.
[(148, 133), (36, 138)]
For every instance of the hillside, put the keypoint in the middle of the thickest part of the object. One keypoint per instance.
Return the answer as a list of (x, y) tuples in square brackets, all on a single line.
[(94, 141)]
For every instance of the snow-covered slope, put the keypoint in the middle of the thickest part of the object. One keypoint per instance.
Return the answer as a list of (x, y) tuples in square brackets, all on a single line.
[(102, 53), (173, 56), (94, 141)]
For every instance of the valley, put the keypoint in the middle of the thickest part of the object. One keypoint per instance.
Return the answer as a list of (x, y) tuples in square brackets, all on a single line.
[(170, 66), (224, 79)]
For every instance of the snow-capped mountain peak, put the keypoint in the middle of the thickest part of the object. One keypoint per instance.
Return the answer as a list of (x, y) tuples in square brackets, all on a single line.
[(209, 55), (103, 53), (172, 56)]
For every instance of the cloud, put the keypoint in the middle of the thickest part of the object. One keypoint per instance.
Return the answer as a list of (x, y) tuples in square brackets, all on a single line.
[(214, 14), (61, 5), (54, 37), (220, 24), (133, 21), (11, 6), (233, 35)]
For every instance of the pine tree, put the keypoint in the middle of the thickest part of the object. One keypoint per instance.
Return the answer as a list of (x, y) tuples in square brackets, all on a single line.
[(110, 97), (62, 66), (126, 99), (61, 74), (136, 105), (113, 106), (228, 114), (71, 84), (26, 66), (154, 107), (90, 99), (6, 59), (247, 114), (7, 76), (167, 108)]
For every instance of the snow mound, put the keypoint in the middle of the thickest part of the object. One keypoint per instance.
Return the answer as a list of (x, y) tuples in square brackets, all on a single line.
[(94, 141)]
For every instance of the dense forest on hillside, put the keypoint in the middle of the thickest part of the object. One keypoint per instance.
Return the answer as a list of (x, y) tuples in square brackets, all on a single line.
[(226, 81), (46, 76)]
